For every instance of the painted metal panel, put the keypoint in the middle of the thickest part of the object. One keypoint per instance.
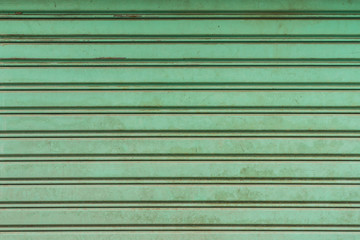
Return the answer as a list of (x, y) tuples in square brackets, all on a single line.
[(179, 119)]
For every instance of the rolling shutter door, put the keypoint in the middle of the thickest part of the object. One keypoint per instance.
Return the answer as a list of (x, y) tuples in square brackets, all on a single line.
[(179, 119)]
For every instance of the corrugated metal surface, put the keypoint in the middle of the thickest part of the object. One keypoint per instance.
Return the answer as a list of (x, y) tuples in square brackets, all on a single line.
[(179, 119)]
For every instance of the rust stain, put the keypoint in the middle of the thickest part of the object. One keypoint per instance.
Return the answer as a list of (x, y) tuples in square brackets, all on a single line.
[(126, 15), (110, 58)]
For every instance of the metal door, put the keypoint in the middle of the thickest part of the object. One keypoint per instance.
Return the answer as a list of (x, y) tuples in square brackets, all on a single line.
[(188, 120)]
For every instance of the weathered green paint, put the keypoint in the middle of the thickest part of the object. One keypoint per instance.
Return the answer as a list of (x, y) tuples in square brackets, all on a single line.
[(184, 99), (170, 119), (215, 77), (182, 217), (182, 169), (230, 30), (172, 194), (224, 124), (210, 53), (179, 145)]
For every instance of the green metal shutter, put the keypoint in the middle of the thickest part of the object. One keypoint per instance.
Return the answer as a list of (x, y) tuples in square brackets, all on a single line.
[(199, 119)]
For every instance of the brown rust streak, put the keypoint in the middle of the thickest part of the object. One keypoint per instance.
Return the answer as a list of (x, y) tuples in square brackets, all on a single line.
[(126, 15), (110, 58)]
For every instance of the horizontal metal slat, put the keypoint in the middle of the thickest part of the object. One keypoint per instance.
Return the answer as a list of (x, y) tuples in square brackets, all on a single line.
[(230, 52), (59, 146), (193, 217), (174, 170), (255, 124), (180, 99), (178, 193), (188, 29), (122, 78)]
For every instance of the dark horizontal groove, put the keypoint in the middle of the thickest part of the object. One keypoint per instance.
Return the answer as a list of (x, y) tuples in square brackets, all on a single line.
[(189, 14), (173, 160), (185, 12), (162, 60), (172, 206), (166, 157), (170, 158), (179, 202), (183, 225), (119, 17), (180, 107), (74, 113), (190, 85), (159, 230), (76, 185), (172, 182), (159, 41), (161, 84), (294, 89), (176, 207), (179, 113), (192, 136), (183, 178), (181, 184), (183, 66), (175, 131), (182, 181), (180, 86), (183, 36), (181, 110), (174, 39), (177, 62), (181, 155), (179, 207), (95, 41), (182, 134)]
